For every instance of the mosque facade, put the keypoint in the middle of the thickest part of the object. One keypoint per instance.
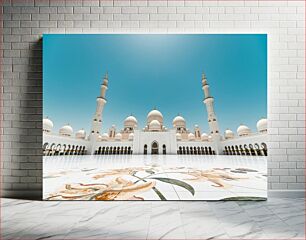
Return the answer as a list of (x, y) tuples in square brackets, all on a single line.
[(155, 137)]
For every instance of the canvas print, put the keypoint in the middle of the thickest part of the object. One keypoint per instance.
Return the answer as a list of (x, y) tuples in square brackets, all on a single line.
[(155, 117)]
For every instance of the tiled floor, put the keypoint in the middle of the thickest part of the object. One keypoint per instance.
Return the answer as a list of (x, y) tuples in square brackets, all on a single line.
[(272, 219), (175, 177)]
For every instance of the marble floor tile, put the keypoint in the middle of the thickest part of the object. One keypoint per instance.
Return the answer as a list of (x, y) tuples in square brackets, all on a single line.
[(272, 219)]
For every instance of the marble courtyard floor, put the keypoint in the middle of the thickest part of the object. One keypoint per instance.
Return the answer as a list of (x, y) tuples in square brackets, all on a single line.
[(272, 219), (154, 177)]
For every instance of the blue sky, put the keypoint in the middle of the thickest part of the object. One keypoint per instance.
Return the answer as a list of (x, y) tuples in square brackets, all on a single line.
[(162, 71)]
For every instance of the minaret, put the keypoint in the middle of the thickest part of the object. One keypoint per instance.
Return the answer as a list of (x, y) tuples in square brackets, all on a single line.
[(97, 119), (212, 119)]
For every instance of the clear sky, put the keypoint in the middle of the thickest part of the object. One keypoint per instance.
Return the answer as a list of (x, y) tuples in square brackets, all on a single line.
[(162, 71)]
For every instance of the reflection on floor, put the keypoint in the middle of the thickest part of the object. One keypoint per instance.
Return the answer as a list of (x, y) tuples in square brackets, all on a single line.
[(158, 177), (271, 219)]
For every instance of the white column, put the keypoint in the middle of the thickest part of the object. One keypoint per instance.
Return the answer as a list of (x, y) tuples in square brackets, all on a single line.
[(212, 118), (97, 118)]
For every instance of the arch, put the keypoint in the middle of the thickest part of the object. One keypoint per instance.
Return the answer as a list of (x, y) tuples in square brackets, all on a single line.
[(257, 149), (206, 150), (154, 148), (202, 151), (121, 150), (67, 150), (129, 150), (52, 149), (145, 149), (125, 150), (237, 150), (103, 151), (225, 150), (110, 151), (72, 150), (233, 150), (164, 149), (99, 150), (241, 150), (187, 150), (106, 150), (77, 151), (252, 150), (195, 152), (191, 150), (210, 150), (45, 148), (199, 150), (180, 150), (264, 148), (57, 149), (184, 150), (62, 150), (246, 149)]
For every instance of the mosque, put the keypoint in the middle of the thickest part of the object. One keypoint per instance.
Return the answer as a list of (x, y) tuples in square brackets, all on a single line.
[(155, 137)]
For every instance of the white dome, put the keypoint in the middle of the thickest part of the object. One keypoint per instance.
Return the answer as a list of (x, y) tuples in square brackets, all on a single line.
[(191, 136), (155, 115), (130, 121), (229, 134), (118, 136), (210, 138), (66, 130), (47, 125), (99, 138), (104, 137), (131, 136), (179, 121), (179, 136), (204, 137), (243, 130), (81, 134), (262, 125), (155, 125)]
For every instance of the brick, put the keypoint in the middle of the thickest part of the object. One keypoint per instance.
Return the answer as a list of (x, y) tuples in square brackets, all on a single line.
[(158, 3), (147, 9), (64, 10), (47, 24), (81, 9), (50, 10), (91, 3)]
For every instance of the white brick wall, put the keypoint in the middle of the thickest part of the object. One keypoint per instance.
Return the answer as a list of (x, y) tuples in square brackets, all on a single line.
[(25, 20)]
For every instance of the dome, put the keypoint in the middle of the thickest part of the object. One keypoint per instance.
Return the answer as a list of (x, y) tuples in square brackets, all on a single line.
[(66, 130), (99, 138), (191, 136), (243, 130), (179, 121), (118, 136), (104, 137), (179, 136), (155, 125), (204, 137), (130, 121), (155, 115), (262, 125), (81, 134), (131, 136), (47, 125), (229, 134), (210, 138)]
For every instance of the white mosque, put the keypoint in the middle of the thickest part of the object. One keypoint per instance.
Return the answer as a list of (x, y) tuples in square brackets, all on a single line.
[(155, 138)]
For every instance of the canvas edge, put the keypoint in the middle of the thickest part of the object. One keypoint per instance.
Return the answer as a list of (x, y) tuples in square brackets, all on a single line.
[(37, 194)]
